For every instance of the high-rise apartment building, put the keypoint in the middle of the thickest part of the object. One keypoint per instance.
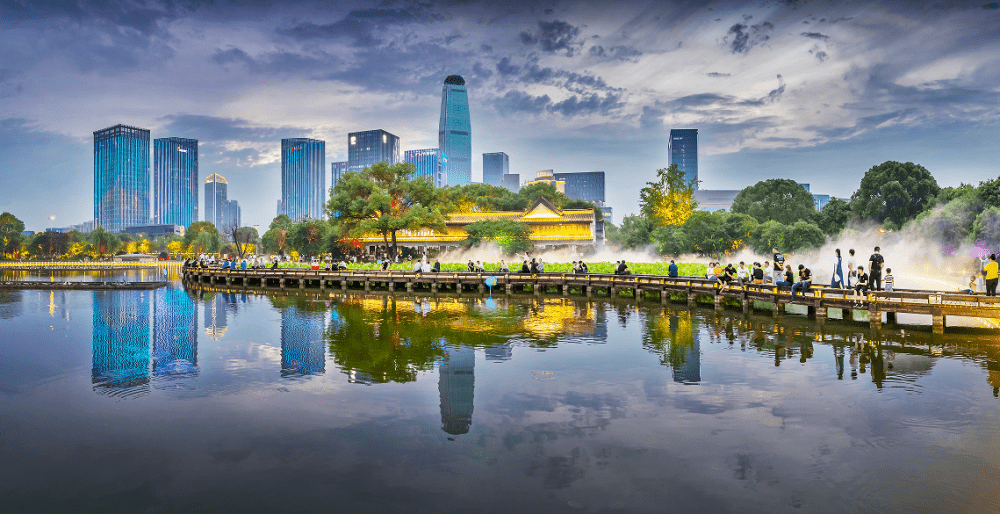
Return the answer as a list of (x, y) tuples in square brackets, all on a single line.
[(175, 181), (495, 166), (455, 130), (587, 186), (430, 162), (303, 177), (371, 147), (683, 148), (337, 170), (121, 177), (216, 200)]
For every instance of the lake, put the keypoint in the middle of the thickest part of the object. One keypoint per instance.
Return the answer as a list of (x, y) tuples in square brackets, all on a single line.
[(180, 400)]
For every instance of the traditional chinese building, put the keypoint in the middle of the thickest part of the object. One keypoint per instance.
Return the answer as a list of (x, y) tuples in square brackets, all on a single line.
[(550, 227)]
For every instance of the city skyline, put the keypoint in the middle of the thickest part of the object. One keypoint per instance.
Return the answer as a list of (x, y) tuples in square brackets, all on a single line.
[(811, 92)]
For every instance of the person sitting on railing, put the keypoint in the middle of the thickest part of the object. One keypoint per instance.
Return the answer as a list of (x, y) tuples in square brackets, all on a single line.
[(888, 280), (788, 280), (437, 267), (625, 270), (672, 269), (385, 264), (620, 269), (525, 268), (243, 265), (805, 280), (972, 286), (861, 286), (533, 268), (757, 273), (576, 267), (343, 266), (274, 265), (742, 274), (503, 267), (479, 267), (584, 268), (541, 266), (417, 267)]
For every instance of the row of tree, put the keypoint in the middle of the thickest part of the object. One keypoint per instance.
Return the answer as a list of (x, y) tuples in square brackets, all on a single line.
[(781, 213)]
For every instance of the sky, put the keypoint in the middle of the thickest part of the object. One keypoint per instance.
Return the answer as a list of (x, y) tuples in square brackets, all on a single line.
[(815, 91)]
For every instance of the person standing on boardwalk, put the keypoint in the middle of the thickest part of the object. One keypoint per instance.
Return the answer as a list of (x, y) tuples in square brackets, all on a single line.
[(851, 271), (875, 263), (889, 280), (779, 261), (837, 282), (990, 273)]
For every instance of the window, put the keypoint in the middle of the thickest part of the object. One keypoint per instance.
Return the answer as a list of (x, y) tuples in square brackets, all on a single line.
[(354, 140)]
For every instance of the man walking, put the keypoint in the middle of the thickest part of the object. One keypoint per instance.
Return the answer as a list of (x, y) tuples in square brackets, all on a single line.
[(875, 263)]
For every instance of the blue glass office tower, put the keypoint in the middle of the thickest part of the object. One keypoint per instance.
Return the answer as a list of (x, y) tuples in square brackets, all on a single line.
[(587, 186), (683, 148), (370, 147), (303, 177), (121, 177), (495, 166), (175, 181), (216, 200), (455, 130), (337, 170), (429, 163), (233, 213)]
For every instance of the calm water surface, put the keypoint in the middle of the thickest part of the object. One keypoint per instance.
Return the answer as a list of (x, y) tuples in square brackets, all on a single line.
[(195, 401)]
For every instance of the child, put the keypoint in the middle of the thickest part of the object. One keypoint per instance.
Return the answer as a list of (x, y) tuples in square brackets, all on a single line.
[(888, 280), (972, 286)]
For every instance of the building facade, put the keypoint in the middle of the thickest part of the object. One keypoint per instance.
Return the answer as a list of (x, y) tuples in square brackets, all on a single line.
[(430, 162), (370, 147), (337, 170), (512, 182), (548, 177), (121, 177), (233, 215), (495, 166), (683, 148), (455, 130), (175, 181), (303, 177), (216, 200), (587, 186)]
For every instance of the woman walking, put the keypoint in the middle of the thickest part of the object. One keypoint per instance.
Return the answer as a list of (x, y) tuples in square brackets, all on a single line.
[(837, 282)]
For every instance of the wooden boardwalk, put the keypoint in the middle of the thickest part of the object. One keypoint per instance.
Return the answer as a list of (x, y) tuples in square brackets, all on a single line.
[(818, 301)]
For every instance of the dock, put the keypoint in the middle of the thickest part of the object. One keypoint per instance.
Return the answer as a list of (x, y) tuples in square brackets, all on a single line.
[(819, 301)]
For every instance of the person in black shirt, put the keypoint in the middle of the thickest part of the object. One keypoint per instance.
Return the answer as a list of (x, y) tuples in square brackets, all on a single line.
[(779, 261), (437, 267), (534, 266), (621, 268), (875, 263), (805, 280), (525, 268), (584, 268), (861, 286), (758, 273)]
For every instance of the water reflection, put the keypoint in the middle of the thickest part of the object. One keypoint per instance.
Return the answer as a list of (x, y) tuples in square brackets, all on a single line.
[(10, 303), (456, 385), (121, 335), (303, 346), (175, 335), (675, 338)]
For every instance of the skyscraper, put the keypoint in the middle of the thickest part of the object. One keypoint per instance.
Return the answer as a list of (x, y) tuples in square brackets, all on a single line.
[(429, 163), (303, 177), (455, 130), (337, 170), (121, 177), (683, 149), (370, 147), (216, 200), (233, 214), (587, 186), (512, 181), (175, 181), (495, 166)]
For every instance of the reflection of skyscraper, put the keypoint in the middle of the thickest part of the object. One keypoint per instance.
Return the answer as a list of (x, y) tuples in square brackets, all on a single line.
[(215, 317), (687, 345), (121, 334), (121, 177), (456, 382), (303, 351), (455, 130), (498, 353), (175, 334)]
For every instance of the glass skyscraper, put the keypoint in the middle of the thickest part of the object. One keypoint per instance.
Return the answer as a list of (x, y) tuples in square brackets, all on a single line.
[(370, 147), (121, 342), (175, 181), (683, 149), (233, 214), (512, 181), (455, 130), (337, 170), (216, 200), (429, 163), (587, 186), (121, 177), (495, 166), (303, 177)]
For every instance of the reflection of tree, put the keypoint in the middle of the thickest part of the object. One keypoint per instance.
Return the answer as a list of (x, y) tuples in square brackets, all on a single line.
[(671, 336)]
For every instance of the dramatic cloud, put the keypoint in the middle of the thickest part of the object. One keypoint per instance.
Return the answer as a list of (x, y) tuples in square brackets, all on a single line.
[(621, 53), (744, 36), (554, 36), (815, 35)]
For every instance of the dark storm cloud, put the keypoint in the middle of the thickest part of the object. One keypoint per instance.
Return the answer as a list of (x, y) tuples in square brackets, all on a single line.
[(144, 17), (514, 102), (815, 35), (505, 68), (651, 118), (745, 36), (619, 52), (402, 67), (363, 28), (726, 104), (481, 72), (992, 5), (554, 36)]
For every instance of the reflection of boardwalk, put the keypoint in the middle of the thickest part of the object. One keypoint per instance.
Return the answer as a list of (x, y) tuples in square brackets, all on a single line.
[(456, 384), (302, 348), (121, 340)]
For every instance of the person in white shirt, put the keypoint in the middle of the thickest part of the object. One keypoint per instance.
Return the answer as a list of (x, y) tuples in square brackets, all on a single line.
[(742, 274)]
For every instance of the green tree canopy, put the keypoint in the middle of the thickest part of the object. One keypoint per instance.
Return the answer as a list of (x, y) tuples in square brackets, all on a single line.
[(275, 240), (768, 235), (989, 192), (512, 236), (103, 242), (281, 221), (894, 193), (781, 200), (45, 245), (210, 245), (804, 235), (310, 236), (668, 200), (986, 228), (634, 232), (11, 237), (384, 199), (834, 216)]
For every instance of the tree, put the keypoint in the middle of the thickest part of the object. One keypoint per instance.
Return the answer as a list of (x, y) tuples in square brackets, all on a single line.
[(104, 242), (385, 199), (671, 240), (833, 218), (635, 231), (512, 236), (310, 236), (281, 221), (210, 242), (804, 235), (986, 228), (11, 237), (275, 240), (707, 234), (768, 235), (243, 239), (989, 192), (894, 193), (781, 200), (670, 199), (45, 245)]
